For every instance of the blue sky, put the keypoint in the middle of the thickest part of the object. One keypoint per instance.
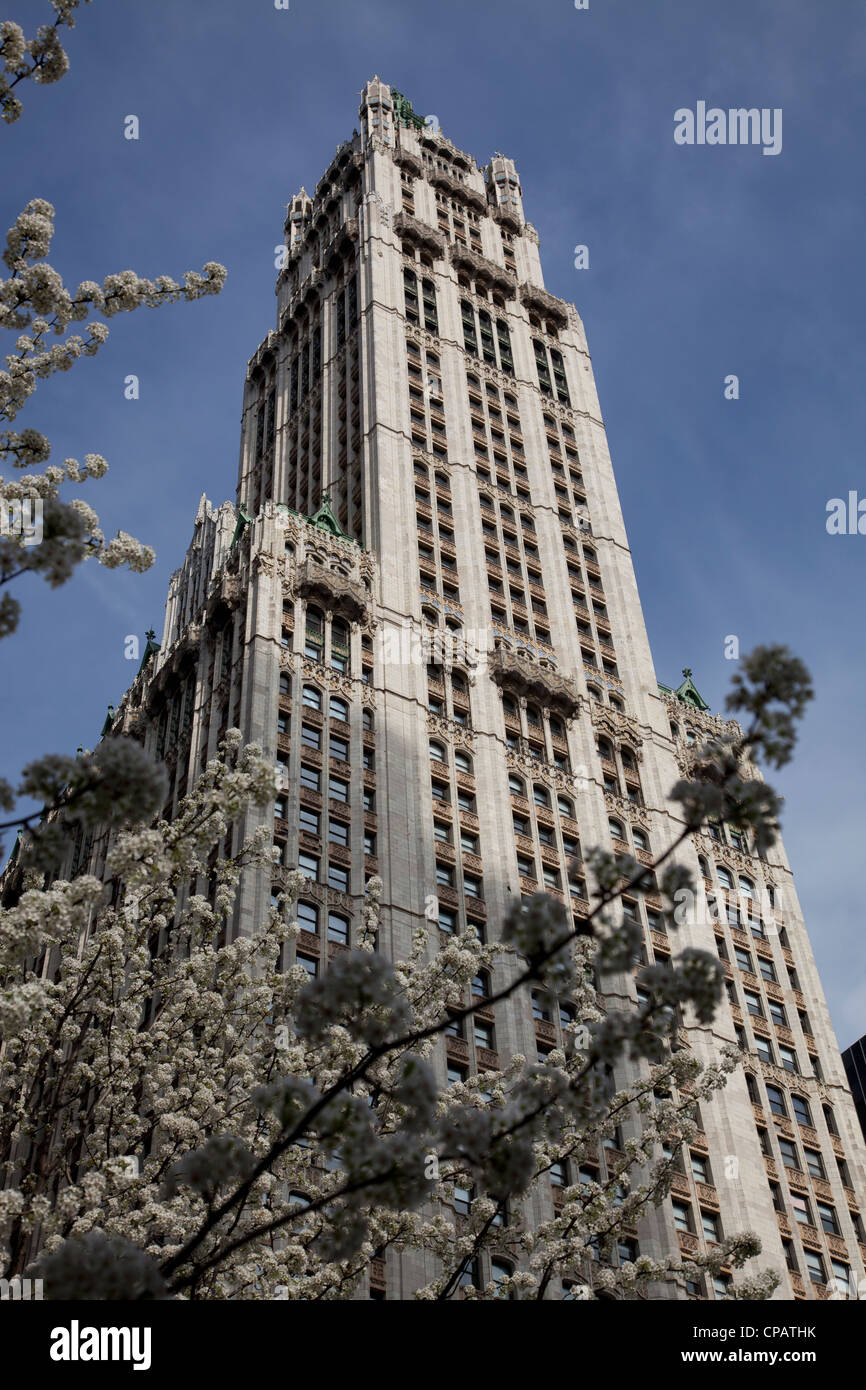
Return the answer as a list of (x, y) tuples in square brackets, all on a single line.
[(704, 261)]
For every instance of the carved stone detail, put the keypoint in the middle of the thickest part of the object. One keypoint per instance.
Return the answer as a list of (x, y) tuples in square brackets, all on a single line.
[(338, 591), (515, 671)]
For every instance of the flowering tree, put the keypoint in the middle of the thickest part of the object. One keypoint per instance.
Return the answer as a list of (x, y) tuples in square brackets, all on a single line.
[(184, 1117)]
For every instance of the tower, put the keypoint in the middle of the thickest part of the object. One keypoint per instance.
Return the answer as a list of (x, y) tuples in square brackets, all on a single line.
[(422, 604)]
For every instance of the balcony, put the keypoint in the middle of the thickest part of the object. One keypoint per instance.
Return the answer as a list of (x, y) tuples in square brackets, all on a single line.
[(517, 672), (335, 589)]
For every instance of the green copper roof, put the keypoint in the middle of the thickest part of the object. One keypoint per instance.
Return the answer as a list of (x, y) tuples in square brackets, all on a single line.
[(244, 519), (403, 112), (325, 520), (152, 646), (687, 692)]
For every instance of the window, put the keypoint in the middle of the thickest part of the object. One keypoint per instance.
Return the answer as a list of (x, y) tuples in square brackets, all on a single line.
[(777, 1102), (710, 1225), (308, 821), (753, 1003), (312, 697), (841, 1277), (788, 1058), (437, 751), (777, 1014), (743, 959), (338, 790), (700, 1167), (802, 1113), (814, 1164), (338, 832), (815, 1267), (472, 886), (682, 1216), (541, 796), (311, 737), (462, 762), (309, 864), (339, 709), (722, 1285), (338, 928), (768, 970), (462, 1200), (516, 785), (315, 635), (827, 1217), (339, 748), (447, 919), (338, 877), (558, 1175), (339, 647), (308, 917), (310, 778), (801, 1209), (764, 1050), (788, 1150), (309, 964)]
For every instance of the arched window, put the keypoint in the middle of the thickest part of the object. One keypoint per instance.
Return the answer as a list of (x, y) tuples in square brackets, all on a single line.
[(516, 785), (747, 888), (639, 839), (339, 646), (540, 795), (594, 693), (430, 616), (338, 709), (616, 829), (314, 641), (724, 877), (367, 719), (285, 684), (501, 1273), (462, 761), (557, 728), (458, 682), (437, 751), (566, 807), (312, 696), (703, 865), (605, 749), (675, 730)]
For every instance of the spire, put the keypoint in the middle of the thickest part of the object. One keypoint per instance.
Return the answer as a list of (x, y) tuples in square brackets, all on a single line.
[(689, 693)]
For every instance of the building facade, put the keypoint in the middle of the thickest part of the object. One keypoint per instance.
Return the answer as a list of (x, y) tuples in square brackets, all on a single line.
[(423, 605), (854, 1060)]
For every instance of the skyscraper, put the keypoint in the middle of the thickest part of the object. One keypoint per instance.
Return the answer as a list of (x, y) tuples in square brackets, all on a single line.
[(423, 606)]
